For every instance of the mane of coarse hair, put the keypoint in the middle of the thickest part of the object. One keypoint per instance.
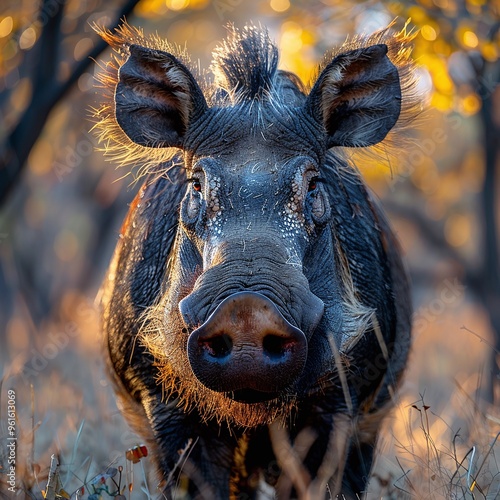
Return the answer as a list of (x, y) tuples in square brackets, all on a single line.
[(245, 64)]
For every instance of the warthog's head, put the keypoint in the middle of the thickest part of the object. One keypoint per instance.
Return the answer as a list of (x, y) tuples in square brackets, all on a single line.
[(257, 300)]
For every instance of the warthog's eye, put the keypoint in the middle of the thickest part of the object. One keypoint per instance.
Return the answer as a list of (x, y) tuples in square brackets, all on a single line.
[(313, 184), (195, 183), (193, 202)]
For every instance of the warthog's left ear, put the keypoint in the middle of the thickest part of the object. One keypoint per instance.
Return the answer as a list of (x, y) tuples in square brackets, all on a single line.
[(357, 97), (156, 98)]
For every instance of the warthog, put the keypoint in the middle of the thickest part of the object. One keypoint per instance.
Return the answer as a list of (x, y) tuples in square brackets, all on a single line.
[(256, 310)]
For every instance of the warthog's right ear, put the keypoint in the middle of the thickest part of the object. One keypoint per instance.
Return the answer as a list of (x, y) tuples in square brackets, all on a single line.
[(156, 98), (357, 97)]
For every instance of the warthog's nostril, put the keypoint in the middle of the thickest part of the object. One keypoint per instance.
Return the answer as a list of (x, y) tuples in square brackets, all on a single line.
[(218, 346), (275, 346)]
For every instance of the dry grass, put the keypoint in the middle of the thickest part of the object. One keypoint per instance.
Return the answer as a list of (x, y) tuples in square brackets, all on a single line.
[(65, 408), (55, 460), (440, 445), (437, 459)]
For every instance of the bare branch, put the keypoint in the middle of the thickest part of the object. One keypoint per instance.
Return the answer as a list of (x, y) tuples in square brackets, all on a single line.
[(47, 92)]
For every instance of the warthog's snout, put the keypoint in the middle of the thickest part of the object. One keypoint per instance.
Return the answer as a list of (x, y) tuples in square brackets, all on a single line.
[(248, 348)]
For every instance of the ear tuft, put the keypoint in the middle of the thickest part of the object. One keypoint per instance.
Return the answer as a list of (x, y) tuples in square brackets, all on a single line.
[(116, 144), (399, 48)]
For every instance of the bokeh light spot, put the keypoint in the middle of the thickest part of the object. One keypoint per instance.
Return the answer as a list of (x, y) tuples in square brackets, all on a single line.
[(177, 4), (470, 39), (470, 104), (428, 33), (490, 51), (6, 26), (291, 40), (27, 39), (280, 5), (82, 48)]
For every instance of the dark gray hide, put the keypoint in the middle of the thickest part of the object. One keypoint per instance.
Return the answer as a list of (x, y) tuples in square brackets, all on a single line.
[(259, 272)]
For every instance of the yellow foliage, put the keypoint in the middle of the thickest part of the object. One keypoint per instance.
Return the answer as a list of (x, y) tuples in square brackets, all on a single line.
[(489, 51), (428, 4), (198, 4), (441, 47), (291, 37), (294, 43), (395, 8), (308, 37), (426, 176), (373, 171), (151, 8), (438, 70), (450, 187), (418, 15), (441, 102)]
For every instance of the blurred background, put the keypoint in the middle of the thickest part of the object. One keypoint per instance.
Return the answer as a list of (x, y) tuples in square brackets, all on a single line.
[(62, 205)]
